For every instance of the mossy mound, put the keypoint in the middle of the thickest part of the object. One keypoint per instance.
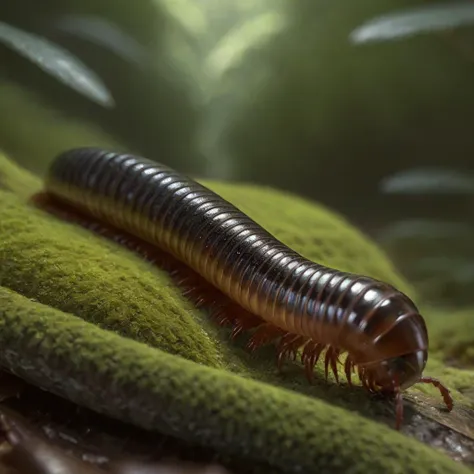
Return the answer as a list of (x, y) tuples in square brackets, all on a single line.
[(55, 264), (155, 390), (452, 335), (88, 320)]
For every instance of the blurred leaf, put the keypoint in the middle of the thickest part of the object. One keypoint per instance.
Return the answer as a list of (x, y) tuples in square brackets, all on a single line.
[(444, 280), (414, 21), (190, 14), (104, 33), (251, 34), (425, 229), (58, 62), (428, 180), (458, 269), (435, 255)]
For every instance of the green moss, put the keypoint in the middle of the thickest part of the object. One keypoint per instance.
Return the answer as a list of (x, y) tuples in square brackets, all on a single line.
[(210, 407), (98, 288), (72, 270)]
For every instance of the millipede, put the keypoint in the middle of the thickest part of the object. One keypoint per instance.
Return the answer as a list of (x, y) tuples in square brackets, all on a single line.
[(255, 283)]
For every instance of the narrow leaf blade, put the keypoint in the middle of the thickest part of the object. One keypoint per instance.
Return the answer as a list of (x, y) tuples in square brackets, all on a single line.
[(410, 22), (57, 62)]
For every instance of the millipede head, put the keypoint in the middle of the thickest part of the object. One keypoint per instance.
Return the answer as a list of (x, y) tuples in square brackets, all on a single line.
[(396, 374), (400, 372)]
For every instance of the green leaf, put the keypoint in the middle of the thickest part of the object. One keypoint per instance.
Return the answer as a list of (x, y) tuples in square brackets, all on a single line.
[(432, 181), (414, 21), (425, 229), (58, 62), (252, 33), (105, 33)]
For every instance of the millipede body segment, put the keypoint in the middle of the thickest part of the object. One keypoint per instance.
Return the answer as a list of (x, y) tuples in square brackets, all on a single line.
[(270, 288)]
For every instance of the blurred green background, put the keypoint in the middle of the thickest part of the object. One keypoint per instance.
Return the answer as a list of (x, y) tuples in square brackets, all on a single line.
[(271, 92)]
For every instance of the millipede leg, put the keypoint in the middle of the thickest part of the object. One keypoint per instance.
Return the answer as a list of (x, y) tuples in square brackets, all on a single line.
[(310, 356), (363, 377), (288, 347), (399, 409), (447, 398), (307, 358), (264, 334), (331, 360), (243, 321), (308, 350), (348, 370), (221, 316), (371, 384)]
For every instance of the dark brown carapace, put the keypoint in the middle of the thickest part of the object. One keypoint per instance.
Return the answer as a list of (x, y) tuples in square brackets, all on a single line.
[(211, 247)]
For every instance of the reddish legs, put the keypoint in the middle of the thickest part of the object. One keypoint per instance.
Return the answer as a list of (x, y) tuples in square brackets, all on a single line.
[(448, 400)]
